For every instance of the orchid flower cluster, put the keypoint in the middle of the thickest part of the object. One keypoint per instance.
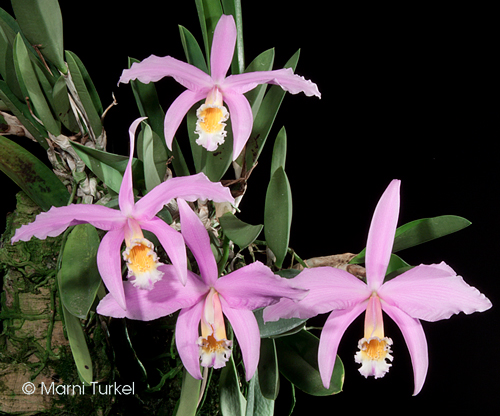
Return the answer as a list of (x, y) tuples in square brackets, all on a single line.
[(173, 266)]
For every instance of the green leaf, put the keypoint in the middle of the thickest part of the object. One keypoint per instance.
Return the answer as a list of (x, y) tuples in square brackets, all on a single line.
[(278, 215), (233, 7), (427, 229), (421, 231), (108, 167), (396, 267), (263, 62), (298, 362), (41, 22), (79, 278), (152, 149), (269, 379), (21, 111), (148, 103), (265, 117), (257, 404), (209, 13), (275, 329), (149, 106), (30, 86), (288, 273), (279, 151), (232, 402), (241, 233), (77, 343), (85, 93), (62, 106), (189, 396), (7, 68), (32, 176), (94, 96), (192, 50)]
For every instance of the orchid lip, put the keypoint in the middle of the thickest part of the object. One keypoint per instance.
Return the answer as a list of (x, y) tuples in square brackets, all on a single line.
[(142, 263), (372, 356)]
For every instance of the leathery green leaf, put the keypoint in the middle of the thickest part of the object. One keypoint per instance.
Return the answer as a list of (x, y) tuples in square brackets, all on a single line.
[(154, 157), (30, 87), (192, 49), (427, 229), (32, 175), (275, 329), (269, 379), (7, 69), (41, 22), (279, 151), (108, 167), (233, 7), (62, 106), (278, 215), (232, 402), (263, 62), (209, 12), (264, 119), (85, 95), (257, 403), (189, 395), (79, 277), (21, 111), (149, 106), (421, 231), (78, 344), (241, 233), (298, 362), (94, 96), (218, 161)]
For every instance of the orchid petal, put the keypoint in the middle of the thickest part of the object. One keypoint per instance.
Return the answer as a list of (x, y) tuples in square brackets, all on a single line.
[(333, 330), (172, 242), (197, 239), (433, 292), (414, 336), (381, 235), (189, 188), (247, 333), (186, 338), (57, 219), (241, 120), (109, 264), (223, 44), (255, 286), (154, 68), (329, 289), (285, 78), (126, 194), (167, 296), (177, 110)]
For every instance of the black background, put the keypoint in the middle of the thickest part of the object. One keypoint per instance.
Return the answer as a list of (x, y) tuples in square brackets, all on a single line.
[(407, 92)]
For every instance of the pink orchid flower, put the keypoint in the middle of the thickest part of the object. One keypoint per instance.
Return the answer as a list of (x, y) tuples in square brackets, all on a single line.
[(204, 301), (127, 224), (428, 292), (215, 89)]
